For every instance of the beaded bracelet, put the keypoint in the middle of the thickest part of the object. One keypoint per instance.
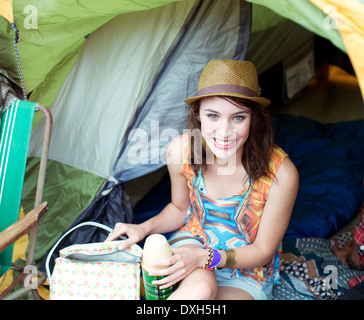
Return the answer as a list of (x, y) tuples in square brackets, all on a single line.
[(213, 259)]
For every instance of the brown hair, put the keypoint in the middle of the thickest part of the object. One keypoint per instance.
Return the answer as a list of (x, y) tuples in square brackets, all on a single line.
[(258, 147)]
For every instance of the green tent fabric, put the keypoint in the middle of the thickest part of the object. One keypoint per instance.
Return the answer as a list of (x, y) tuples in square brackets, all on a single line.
[(47, 55), (69, 192), (267, 28), (305, 14)]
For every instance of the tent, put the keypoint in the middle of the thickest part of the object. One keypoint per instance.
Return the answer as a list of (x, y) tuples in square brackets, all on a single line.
[(114, 75)]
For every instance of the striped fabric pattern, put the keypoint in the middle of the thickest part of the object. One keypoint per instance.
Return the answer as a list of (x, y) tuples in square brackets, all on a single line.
[(15, 130)]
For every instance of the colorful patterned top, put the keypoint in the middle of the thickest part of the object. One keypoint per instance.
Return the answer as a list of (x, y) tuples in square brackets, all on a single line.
[(232, 222)]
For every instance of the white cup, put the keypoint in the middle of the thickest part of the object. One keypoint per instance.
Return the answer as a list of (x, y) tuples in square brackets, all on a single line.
[(156, 248)]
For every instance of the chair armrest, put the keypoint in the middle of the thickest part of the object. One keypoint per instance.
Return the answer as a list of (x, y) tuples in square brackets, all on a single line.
[(22, 226)]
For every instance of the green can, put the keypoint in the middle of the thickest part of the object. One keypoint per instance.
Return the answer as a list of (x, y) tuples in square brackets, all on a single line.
[(152, 291)]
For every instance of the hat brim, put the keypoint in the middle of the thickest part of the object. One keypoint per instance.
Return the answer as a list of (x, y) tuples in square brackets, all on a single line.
[(263, 102)]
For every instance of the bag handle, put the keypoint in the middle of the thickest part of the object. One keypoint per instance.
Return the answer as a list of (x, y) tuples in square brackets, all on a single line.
[(89, 223)]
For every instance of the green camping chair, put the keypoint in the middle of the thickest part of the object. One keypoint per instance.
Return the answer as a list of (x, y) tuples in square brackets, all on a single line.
[(15, 129)]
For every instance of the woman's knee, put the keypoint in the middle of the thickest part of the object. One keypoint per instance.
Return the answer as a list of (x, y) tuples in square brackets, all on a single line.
[(197, 286), (207, 289)]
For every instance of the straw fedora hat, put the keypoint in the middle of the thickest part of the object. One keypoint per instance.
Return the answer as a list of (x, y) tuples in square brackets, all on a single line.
[(229, 78)]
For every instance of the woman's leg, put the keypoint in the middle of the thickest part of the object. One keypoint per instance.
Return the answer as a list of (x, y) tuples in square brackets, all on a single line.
[(198, 285), (231, 293), (234, 286)]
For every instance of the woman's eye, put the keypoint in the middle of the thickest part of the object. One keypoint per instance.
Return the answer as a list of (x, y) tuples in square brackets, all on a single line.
[(239, 118), (212, 116)]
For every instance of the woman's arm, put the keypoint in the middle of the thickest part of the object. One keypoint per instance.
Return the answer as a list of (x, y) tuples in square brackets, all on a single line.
[(274, 221), (273, 225), (172, 216)]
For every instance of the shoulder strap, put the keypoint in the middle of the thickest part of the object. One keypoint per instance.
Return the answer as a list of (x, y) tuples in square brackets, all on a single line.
[(187, 168), (277, 158), (89, 223)]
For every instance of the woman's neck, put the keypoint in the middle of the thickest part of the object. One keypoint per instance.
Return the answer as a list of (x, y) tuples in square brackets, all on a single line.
[(227, 166)]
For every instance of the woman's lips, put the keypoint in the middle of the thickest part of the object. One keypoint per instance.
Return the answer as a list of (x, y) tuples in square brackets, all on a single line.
[(224, 144)]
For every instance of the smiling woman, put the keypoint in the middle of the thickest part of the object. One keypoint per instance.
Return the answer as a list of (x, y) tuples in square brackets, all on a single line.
[(233, 192)]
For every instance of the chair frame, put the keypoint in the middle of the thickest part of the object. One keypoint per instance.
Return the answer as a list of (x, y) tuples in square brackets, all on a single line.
[(29, 223)]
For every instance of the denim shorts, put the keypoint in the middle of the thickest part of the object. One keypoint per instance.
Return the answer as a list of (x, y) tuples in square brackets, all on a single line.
[(224, 277)]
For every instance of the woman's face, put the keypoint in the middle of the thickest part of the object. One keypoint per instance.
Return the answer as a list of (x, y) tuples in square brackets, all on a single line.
[(224, 126)]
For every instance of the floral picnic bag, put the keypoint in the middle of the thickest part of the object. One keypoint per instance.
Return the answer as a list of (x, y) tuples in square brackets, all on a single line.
[(95, 271)]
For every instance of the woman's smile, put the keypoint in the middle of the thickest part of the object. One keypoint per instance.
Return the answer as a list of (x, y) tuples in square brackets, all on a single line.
[(224, 143)]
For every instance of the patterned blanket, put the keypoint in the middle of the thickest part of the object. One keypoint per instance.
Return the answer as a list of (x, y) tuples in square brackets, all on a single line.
[(311, 271)]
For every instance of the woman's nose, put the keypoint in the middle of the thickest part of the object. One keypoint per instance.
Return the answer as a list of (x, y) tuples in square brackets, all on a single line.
[(224, 127), (225, 131)]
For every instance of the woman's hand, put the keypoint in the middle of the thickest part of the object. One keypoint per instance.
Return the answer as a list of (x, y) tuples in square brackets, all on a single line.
[(134, 232), (184, 260)]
